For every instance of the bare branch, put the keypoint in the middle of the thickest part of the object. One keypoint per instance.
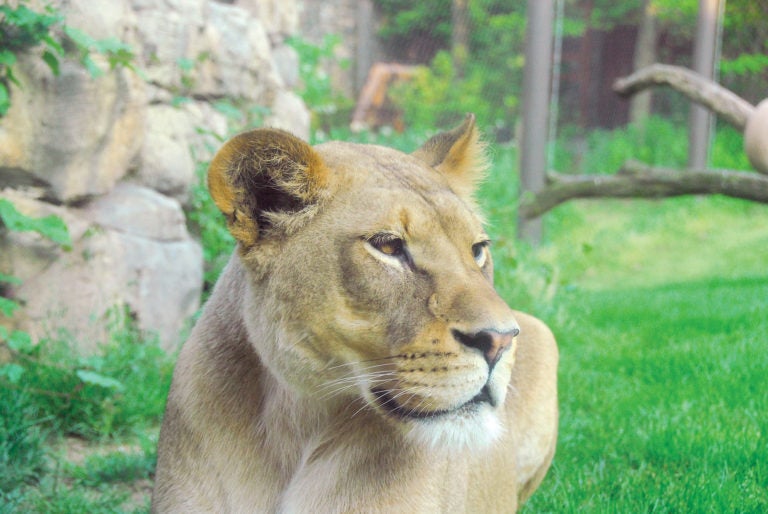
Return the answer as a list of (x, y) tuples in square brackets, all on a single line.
[(731, 107), (637, 180)]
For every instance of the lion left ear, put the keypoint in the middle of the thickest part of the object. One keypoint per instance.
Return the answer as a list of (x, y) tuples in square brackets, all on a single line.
[(263, 181), (459, 155)]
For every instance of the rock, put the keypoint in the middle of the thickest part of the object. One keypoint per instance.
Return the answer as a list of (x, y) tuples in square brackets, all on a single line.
[(239, 60), (278, 16), (207, 129), (165, 162), (112, 19), (117, 259), (289, 113), (287, 62), (73, 134), (138, 211), (167, 34), (756, 137)]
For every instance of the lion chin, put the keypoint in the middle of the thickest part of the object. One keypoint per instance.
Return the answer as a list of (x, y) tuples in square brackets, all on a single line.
[(354, 355), (471, 425)]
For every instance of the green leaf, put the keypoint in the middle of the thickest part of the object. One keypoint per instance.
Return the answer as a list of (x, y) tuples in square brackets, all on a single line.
[(52, 61), (8, 306), (5, 100), (7, 58), (51, 227), (82, 40), (12, 372), (53, 45), (185, 64), (90, 377), (20, 342), (228, 109), (93, 70)]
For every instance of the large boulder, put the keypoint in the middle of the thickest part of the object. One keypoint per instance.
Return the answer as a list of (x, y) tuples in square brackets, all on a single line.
[(130, 249), (72, 134)]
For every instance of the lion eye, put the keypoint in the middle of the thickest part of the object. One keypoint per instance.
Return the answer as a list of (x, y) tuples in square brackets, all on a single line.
[(388, 244), (480, 252)]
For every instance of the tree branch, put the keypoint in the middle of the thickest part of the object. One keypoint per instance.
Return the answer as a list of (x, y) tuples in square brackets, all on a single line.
[(637, 180), (731, 107)]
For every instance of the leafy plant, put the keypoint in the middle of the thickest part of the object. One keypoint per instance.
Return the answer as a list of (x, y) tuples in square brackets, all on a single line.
[(116, 466), (490, 83), (23, 29), (22, 437), (117, 53), (328, 106), (436, 97), (207, 222), (120, 388), (51, 227)]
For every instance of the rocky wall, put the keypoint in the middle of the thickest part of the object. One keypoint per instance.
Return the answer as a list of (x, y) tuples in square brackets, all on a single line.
[(114, 156)]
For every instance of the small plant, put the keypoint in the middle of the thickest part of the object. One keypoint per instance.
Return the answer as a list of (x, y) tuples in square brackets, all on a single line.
[(117, 53), (115, 466), (48, 390), (96, 396), (436, 97), (22, 437), (329, 107), (23, 29), (50, 227), (208, 224)]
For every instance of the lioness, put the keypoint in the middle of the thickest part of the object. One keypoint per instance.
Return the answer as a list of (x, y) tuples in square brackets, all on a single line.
[(354, 355)]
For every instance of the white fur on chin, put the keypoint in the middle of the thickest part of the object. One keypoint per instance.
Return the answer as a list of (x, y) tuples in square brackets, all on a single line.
[(466, 430)]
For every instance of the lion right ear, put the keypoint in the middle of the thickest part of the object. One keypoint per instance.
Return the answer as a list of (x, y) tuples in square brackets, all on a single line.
[(459, 155), (261, 176)]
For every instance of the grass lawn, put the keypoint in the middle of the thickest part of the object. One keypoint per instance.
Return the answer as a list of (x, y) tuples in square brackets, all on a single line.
[(661, 312)]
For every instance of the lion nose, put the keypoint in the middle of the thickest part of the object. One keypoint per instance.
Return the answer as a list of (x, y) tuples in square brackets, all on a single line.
[(493, 344)]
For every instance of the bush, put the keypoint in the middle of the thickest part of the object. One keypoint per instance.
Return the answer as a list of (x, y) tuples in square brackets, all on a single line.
[(120, 389), (22, 454)]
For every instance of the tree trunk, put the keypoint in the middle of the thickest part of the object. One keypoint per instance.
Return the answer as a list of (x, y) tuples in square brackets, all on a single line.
[(535, 102), (701, 121), (645, 55), (459, 36)]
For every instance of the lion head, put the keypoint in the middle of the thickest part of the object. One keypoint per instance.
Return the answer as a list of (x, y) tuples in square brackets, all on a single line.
[(371, 278)]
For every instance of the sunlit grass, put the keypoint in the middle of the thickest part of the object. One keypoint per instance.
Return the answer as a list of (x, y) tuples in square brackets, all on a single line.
[(661, 313), (663, 404)]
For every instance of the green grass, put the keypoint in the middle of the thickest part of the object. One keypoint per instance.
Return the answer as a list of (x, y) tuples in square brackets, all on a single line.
[(80, 431), (663, 404), (661, 313)]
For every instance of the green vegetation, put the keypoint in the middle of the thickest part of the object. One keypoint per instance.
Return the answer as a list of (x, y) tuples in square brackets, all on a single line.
[(54, 397), (26, 30), (328, 107), (661, 313), (486, 77)]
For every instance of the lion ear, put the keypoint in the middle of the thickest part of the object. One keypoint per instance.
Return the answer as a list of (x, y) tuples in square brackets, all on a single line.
[(458, 154), (261, 177)]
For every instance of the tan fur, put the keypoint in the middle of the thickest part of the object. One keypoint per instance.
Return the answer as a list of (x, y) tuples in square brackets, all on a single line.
[(354, 356)]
